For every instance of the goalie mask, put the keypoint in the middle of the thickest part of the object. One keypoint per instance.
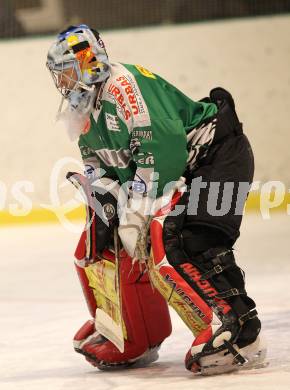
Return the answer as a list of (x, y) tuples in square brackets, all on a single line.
[(78, 59)]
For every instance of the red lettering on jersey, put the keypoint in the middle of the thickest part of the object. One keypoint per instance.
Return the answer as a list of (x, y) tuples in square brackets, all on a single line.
[(135, 110), (127, 114), (130, 93), (132, 99), (110, 88), (124, 82), (116, 92), (128, 90), (120, 97)]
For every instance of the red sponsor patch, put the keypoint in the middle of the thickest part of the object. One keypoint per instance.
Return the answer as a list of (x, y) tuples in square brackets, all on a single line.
[(115, 91), (130, 93)]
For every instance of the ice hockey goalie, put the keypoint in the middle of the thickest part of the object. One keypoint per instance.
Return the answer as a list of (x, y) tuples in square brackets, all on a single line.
[(127, 298)]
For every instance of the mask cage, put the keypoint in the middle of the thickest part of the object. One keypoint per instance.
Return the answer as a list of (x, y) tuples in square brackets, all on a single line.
[(66, 76)]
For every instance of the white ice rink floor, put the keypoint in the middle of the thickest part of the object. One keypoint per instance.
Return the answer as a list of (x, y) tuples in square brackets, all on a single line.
[(42, 307)]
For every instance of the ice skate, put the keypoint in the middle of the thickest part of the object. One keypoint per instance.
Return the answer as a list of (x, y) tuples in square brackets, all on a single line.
[(250, 357)]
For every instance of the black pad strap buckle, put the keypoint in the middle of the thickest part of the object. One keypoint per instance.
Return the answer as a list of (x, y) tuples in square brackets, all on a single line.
[(217, 269), (219, 258), (230, 293)]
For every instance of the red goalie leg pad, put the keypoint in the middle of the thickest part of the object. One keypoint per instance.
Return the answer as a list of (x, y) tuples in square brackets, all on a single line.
[(173, 278), (88, 292), (146, 308), (145, 314), (180, 293), (82, 334)]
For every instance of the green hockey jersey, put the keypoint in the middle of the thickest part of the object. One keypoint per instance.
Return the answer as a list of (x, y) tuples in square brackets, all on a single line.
[(141, 129)]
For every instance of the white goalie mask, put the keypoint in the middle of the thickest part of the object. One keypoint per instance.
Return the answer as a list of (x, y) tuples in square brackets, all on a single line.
[(77, 61)]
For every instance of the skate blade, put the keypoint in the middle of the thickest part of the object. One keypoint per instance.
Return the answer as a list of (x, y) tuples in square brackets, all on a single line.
[(223, 362), (230, 368)]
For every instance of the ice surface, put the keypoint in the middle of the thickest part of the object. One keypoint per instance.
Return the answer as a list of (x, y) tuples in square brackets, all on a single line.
[(42, 307)]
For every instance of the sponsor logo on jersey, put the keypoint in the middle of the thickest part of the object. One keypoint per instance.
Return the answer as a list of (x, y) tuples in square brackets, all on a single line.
[(120, 100), (135, 145), (115, 158), (139, 186), (86, 151), (129, 81), (112, 122), (132, 93), (145, 158), (89, 171), (145, 72), (127, 96), (145, 134)]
